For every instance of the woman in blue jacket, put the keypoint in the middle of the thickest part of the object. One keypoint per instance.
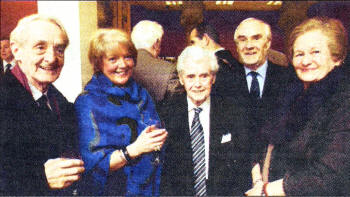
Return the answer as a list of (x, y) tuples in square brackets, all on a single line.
[(119, 141)]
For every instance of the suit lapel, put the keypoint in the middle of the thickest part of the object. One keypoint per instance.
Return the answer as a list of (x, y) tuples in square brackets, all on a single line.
[(216, 131)]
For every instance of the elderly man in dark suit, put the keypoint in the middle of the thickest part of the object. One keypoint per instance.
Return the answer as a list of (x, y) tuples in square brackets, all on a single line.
[(207, 146), (205, 36), (156, 75), (258, 82), (37, 124)]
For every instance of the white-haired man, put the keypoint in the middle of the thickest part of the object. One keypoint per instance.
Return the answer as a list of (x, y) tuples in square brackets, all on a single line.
[(206, 151), (156, 75), (37, 124)]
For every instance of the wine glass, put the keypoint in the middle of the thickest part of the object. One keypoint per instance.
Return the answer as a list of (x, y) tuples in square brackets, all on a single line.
[(159, 125)]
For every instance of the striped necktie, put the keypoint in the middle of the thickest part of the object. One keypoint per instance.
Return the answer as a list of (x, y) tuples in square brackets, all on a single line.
[(198, 157)]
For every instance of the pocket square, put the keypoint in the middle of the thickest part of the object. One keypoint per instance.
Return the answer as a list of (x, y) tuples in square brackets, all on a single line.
[(226, 138)]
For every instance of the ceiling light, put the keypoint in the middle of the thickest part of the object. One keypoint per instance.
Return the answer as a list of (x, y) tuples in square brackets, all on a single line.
[(278, 3), (173, 3), (224, 2)]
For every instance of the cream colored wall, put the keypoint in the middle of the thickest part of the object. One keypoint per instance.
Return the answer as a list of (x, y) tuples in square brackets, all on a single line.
[(88, 25), (80, 19)]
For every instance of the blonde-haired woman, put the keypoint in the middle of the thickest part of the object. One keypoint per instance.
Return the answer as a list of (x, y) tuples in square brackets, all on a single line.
[(119, 142)]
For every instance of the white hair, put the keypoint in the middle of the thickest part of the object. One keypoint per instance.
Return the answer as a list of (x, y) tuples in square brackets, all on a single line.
[(266, 25), (17, 35), (146, 33), (197, 54)]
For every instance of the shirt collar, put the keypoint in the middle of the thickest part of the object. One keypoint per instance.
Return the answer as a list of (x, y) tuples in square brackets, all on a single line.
[(261, 70), (219, 49), (204, 105), (13, 63), (35, 92)]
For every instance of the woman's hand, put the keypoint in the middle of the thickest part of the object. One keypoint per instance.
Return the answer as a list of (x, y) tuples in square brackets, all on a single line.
[(151, 139)]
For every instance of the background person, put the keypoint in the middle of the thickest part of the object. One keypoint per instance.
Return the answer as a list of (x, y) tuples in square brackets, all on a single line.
[(156, 75), (205, 36), (117, 142), (311, 142), (7, 60)]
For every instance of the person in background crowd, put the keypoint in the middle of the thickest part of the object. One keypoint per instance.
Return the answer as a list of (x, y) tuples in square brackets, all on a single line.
[(156, 75), (119, 141), (37, 124), (207, 148), (309, 143), (7, 60), (204, 35)]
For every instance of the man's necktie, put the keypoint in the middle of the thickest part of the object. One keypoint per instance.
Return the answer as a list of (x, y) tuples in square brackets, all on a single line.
[(42, 102), (254, 88), (8, 68), (198, 157)]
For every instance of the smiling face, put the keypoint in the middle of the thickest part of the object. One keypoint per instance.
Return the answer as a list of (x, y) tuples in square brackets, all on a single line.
[(117, 65), (41, 53), (252, 42), (312, 59), (197, 80)]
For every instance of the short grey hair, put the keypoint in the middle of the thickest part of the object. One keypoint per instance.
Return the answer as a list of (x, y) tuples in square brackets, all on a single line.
[(146, 33), (266, 25), (197, 54), (17, 35)]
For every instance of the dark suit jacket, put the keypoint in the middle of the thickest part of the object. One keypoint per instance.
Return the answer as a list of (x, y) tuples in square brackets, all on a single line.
[(157, 76), (276, 81), (224, 84), (1, 69), (30, 136), (229, 170)]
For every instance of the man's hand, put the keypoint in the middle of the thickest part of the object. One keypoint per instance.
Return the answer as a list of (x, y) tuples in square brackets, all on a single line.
[(258, 184), (61, 172)]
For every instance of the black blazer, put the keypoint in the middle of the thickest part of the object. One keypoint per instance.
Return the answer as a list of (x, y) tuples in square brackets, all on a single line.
[(30, 136), (312, 153), (224, 84), (229, 168)]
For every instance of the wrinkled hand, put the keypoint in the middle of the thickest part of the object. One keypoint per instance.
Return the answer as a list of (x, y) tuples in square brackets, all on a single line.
[(61, 173), (257, 182), (148, 141)]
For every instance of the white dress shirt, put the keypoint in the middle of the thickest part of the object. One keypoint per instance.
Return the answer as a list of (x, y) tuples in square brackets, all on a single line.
[(261, 77), (37, 94), (204, 118), (4, 63)]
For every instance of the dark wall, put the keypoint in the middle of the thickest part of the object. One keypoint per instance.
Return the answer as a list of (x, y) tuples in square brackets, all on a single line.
[(174, 40)]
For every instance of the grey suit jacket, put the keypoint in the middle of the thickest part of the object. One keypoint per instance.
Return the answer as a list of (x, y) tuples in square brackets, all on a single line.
[(157, 76)]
